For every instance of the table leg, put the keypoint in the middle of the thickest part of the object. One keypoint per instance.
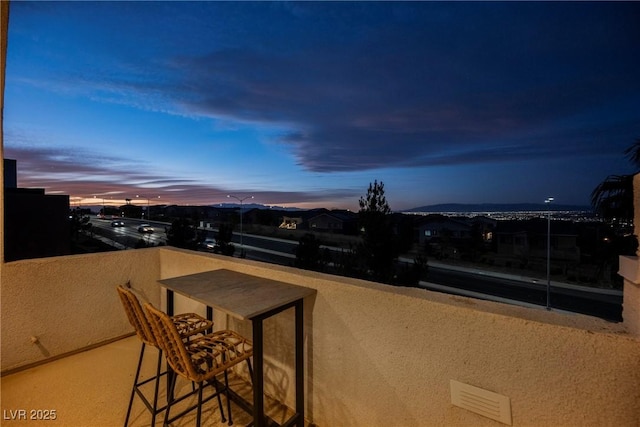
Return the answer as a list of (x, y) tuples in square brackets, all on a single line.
[(258, 374), (170, 373), (209, 317), (169, 302), (299, 345)]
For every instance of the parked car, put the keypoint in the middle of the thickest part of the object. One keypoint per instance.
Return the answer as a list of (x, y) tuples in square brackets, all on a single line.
[(210, 245), (117, 223), (145, 228)]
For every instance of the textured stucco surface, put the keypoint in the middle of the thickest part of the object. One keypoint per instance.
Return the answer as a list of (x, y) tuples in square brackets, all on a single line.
[(376, 355), (68, 302), (630, 271), (636, 206), (379, 355)]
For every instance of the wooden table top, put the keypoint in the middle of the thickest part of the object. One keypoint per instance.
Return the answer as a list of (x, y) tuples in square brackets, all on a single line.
[(238, 294)]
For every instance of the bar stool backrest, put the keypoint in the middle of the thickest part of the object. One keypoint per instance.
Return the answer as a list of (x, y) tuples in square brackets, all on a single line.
[(136, 316), (203, 357), (171, 343)]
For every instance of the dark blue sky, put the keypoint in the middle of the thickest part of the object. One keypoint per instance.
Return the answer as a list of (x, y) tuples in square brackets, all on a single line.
[(304, 104)]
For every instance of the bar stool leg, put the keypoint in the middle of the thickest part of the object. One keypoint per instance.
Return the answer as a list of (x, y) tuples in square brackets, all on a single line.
[(226, 388), (215, 385), (250, 370), (172, 384), (135, 384), (154, 412), (199, 413)]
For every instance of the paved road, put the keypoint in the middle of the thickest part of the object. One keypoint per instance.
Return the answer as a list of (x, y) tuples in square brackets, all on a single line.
[(129, 236), (577, 299), (606, 305), (442, 278)]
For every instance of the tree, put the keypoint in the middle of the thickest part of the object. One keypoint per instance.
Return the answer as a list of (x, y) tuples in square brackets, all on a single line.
[(347, 262), (378, 249), (612, 199), (223, 239), (375, 202), (410, 274), (309, 255), (633, 153), (182, 234)]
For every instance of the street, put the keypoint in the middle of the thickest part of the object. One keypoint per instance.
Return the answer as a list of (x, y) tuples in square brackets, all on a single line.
[(594, 302), (575, 299), (128, 235)]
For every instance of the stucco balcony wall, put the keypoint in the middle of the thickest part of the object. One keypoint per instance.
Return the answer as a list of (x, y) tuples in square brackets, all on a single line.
[(68, 303), (376, 355), (630, 271), (382, 355)]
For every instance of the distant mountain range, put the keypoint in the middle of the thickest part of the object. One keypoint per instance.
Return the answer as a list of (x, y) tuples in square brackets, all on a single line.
[(249, 206), (446, 207), (498, 207)]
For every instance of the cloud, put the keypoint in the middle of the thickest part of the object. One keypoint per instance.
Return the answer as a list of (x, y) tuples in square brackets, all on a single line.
[(366, 85), (421, 95), (86, 175)]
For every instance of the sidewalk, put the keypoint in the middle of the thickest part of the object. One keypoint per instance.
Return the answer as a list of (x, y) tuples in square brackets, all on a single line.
[(108, 241), (525, 279)]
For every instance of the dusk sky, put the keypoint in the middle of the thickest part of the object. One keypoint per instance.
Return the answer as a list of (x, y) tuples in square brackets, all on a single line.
[(304, 104)]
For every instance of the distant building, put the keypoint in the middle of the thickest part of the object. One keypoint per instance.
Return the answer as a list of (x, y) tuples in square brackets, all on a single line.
[(485, 226), (267, 216), (36, 225), (436, 227), (528, 239), (290, 223), (209, 214), (335, 221)]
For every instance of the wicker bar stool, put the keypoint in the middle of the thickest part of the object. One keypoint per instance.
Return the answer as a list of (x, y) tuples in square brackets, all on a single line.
[(187, 325), (199, 360)]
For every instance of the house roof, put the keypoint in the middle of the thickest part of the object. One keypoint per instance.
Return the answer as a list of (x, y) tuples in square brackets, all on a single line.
[(536, 226), (341, 215)]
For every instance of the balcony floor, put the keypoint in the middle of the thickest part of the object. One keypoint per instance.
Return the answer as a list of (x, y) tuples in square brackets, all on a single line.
[(92, 388)]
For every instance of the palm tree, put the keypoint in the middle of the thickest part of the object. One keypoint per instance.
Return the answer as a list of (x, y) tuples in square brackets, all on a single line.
[(612, 199), (633, 153)]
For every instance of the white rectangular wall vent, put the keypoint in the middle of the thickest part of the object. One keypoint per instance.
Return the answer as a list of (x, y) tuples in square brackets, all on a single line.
[(482, 402)]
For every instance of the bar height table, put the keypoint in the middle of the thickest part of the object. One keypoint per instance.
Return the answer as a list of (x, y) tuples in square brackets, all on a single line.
[(253, 298)]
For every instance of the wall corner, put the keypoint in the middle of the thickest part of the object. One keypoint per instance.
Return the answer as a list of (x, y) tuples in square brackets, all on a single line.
[(629, 269)]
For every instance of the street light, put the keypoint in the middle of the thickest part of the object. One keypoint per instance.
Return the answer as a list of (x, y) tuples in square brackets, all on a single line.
[(142, 214), (548, 203), (240, 200), (103, 208), (149, 210)]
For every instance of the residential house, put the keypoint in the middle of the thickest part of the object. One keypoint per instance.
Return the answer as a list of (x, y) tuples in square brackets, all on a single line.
[(528, 239), (436, 227), (334, 221), (290, 222)]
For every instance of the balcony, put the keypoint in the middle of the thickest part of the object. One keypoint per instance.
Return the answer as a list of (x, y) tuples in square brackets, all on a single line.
[(92, 389), (376, 355)]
